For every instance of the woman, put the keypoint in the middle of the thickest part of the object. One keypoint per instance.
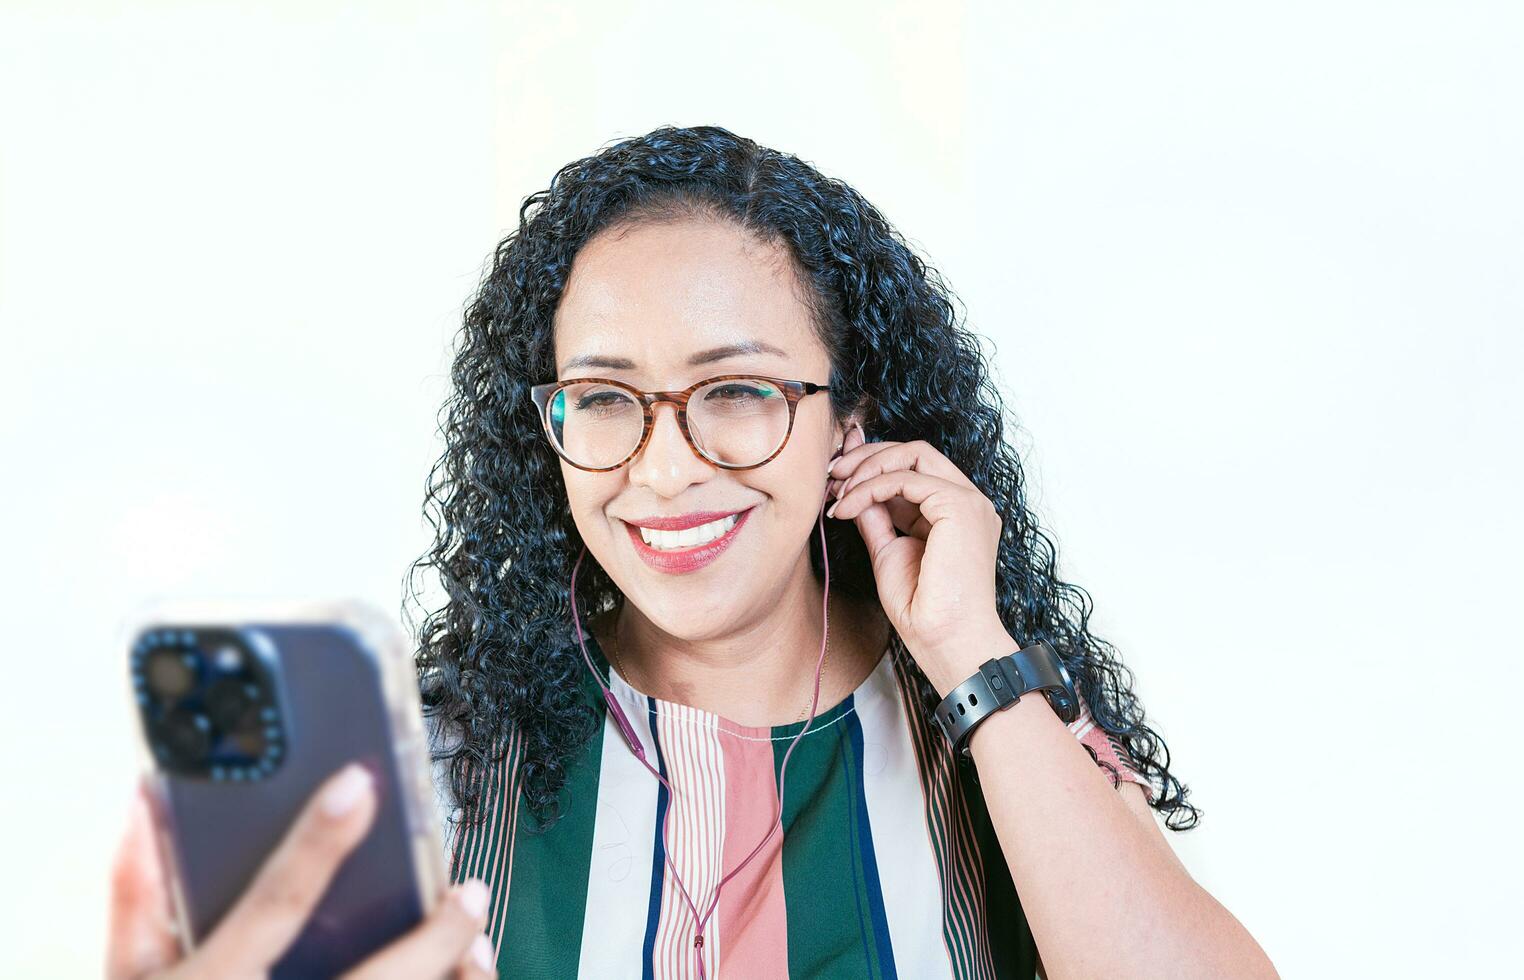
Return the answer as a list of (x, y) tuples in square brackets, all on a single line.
[(658, 265), (666, 750)]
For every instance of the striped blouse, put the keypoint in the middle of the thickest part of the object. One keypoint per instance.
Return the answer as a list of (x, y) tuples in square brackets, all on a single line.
[(887, 864)]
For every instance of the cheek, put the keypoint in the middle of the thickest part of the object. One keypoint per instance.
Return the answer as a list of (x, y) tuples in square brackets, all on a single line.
[(588, 498), (794, 499)]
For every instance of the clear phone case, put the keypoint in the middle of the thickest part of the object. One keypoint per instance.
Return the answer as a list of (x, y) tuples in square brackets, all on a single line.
[(342, 686)]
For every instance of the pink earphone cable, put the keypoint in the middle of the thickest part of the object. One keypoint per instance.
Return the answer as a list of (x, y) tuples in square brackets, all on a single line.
[(628, 731)]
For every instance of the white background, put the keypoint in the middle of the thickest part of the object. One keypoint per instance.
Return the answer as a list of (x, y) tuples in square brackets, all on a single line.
[(1252, 273)]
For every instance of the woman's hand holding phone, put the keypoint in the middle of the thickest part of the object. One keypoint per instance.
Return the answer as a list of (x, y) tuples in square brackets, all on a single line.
[(275, 906)]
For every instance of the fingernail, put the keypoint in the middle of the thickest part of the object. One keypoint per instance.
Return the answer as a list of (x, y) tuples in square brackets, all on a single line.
[(860, 433), (348, 788), (473, 897), (481, 951), (831, 510)]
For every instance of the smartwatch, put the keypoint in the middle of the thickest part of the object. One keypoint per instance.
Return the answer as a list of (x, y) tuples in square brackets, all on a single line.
[(999, 684)]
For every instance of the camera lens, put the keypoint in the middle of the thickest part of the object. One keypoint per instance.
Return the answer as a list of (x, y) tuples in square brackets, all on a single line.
[(228, 702), (186, 734), (170, 673)]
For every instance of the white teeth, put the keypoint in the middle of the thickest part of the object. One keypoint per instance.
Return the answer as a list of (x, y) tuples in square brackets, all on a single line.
[(704, 533)]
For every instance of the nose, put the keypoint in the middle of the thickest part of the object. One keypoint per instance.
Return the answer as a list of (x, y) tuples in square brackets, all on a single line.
[(668, 464)]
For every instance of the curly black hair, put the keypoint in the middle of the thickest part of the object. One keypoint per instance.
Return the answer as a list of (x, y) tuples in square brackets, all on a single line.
[(500, 656)]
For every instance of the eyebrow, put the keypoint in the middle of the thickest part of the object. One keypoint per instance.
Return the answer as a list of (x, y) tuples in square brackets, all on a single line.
[(709, 356)]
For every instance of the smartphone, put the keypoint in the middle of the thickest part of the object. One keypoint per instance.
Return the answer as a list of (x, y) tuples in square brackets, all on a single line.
[(244, 708)]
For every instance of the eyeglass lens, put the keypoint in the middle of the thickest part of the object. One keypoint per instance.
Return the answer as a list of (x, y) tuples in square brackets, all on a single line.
[(737, 421)]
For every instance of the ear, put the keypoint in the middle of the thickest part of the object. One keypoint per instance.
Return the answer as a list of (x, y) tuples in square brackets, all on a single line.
[(840, 432), (856, 417), (859, 415)]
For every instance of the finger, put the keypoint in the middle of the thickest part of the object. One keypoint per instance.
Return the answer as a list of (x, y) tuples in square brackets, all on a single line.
[(271, 912), (476, 963), (853, 452), (854, 439), (920, 456), (876, 525), (447, 940), (480, 960), (907, 517), (938, 499), (140, 939)]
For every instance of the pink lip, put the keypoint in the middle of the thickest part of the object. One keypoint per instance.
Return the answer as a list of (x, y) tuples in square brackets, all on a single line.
[(683, 522), (686, 559)]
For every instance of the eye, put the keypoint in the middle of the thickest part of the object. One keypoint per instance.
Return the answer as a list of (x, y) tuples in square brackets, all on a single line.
[(737, 391), (601, 399)]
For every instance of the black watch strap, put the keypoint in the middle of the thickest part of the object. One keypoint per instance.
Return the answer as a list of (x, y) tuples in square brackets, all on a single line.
[(1000, 683)]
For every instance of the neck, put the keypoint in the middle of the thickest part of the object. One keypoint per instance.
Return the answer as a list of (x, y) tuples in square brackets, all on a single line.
[(760, 672)]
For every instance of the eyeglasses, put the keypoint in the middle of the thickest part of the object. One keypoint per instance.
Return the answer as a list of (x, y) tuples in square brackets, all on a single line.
[(735, 421)]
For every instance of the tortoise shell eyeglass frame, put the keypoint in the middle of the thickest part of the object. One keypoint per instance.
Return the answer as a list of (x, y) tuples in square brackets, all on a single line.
[(792, 391)]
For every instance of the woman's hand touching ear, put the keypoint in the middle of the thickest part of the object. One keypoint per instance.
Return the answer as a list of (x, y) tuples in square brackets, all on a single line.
[(936, 581)]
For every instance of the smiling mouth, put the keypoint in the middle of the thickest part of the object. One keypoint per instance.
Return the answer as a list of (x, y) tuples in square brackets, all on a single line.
[(692, 537), (689, 549)]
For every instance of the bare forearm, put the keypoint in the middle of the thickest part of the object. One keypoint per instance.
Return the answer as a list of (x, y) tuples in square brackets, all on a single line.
[(1102, 890), (1103, 895)]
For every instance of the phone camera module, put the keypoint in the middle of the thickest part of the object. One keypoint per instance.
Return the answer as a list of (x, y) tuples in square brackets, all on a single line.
[(207, 704)]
